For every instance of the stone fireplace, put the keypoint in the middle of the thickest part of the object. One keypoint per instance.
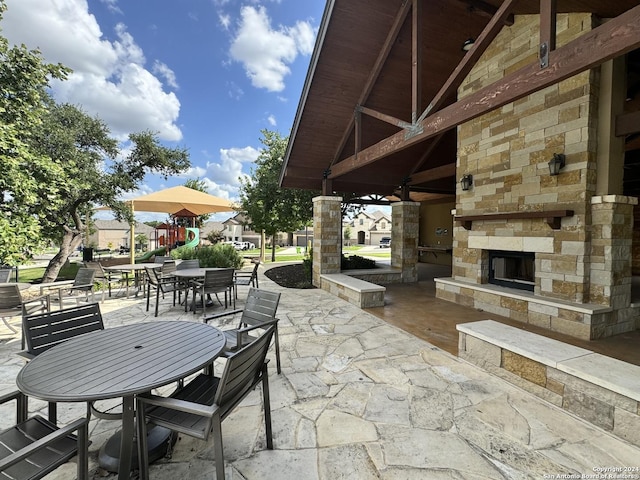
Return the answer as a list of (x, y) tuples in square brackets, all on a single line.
[(512, 269)]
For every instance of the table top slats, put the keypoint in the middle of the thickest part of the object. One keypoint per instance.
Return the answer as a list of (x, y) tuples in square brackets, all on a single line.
[(121, 361)]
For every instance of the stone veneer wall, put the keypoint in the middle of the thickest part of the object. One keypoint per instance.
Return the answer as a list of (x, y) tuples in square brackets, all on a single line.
[(507, 152), (586, 260), (404, 239), (327, 221)]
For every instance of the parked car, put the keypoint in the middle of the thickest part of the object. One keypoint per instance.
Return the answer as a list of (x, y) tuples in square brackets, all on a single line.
[(385, 242)]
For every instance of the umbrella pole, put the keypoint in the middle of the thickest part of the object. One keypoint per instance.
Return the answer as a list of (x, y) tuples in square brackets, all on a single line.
[(132, 245)]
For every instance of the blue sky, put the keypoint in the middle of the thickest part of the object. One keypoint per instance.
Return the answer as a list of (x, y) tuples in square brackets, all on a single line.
[(207, 75)]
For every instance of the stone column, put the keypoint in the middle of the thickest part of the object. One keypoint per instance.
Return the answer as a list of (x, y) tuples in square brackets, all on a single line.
[(404, 239), (610, 279), (327, 222)]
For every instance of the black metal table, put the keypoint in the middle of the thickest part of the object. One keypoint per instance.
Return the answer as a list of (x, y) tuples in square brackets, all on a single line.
[(121, 362)]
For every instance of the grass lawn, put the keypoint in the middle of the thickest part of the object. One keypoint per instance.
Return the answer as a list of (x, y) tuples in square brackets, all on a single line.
[(30, 275)]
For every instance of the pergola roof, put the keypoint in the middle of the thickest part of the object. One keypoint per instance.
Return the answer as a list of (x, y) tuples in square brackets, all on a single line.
[(363, 58)]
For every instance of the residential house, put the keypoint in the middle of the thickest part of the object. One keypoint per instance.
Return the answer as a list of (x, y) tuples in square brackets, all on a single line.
[(368, 228), (113, 234)]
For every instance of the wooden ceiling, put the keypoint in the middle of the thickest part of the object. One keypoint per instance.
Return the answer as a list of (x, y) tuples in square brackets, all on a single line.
[(364, 58)]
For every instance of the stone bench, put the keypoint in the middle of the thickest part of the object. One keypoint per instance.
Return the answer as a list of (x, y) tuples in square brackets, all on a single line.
[(359, 292), (602, 390)]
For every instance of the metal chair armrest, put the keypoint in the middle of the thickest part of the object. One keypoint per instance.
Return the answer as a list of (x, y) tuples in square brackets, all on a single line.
[(223, 314), (55, 285), (180, 405), (80, 424)]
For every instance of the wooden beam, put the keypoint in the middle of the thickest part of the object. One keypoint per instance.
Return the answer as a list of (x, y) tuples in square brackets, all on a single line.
[(470, 59), (627, 123), (432, 174), (416, 59), (548, 11), (383, 117), (358, 132), (616, 37), (375, 71), (484, 9)]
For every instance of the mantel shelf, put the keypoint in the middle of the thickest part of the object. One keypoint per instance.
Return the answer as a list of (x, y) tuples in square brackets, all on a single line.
[(552, 217)]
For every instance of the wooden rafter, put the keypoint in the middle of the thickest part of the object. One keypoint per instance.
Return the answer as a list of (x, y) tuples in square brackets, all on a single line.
[(470, 59), (416, 59), (548, 10), (383, 117), (375, 71), (484, 9), (616, 37), (432, 174)]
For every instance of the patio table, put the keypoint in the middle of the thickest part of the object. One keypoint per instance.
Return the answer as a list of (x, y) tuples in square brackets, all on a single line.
[(121, 362), (136, 268)]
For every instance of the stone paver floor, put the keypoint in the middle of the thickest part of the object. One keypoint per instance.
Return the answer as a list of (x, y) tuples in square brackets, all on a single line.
[(361, 399)]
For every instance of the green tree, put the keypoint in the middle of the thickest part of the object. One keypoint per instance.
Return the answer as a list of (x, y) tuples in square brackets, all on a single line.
[(24, 78), (141, 241), (197, 184), (83, 171), (215, 236), (347, 235), (270, 207)]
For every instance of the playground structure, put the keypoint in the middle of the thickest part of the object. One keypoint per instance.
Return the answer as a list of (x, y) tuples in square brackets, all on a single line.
[(175, 234)]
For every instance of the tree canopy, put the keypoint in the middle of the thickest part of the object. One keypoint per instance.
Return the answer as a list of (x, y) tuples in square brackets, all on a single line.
[(57, 162), (270, 207)]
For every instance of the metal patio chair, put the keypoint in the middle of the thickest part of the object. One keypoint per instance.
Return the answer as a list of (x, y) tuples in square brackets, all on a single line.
[(247, 278), (199, 407), (44, 330), (161, 286), (106, 278), (12, 304), (81, 286), (258, 314), (214, 282), (34, 447)]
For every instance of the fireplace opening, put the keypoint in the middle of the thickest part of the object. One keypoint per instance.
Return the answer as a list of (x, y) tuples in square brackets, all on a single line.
[(512, 269)]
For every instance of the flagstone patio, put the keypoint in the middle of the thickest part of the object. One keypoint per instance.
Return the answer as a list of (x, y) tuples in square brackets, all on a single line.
[(359, 398)]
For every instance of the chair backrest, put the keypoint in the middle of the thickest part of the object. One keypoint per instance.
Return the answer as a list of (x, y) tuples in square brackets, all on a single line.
[(222, 277), (184, 264), (168, 266), (152, 275), (5, 275), (45, 330), (242, 371), (161, 258), (84, 278), (260, 307), (10, 296), (99, 273)]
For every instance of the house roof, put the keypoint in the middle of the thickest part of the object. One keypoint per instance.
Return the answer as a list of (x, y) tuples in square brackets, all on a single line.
[(363, 58), (122, 226)]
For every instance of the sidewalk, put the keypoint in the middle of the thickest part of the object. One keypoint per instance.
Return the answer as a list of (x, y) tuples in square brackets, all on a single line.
[(361, 399)]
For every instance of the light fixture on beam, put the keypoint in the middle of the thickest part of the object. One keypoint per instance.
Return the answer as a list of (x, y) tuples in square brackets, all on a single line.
[(466, 181), (556, 164), (468, 44)]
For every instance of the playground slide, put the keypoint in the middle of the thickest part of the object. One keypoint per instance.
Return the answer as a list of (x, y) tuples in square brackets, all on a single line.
[(152, 253), (193, 237)]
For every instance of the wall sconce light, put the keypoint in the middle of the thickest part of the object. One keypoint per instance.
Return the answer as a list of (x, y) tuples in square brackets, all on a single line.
[(468, 44), (466, 181), (556, 163)]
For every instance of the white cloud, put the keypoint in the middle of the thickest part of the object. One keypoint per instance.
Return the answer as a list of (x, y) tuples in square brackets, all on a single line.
[(222, 176), (235, 91), (267, 53), (112, 6), (225, 20), (164, 71), (272, 120), (109, 79)]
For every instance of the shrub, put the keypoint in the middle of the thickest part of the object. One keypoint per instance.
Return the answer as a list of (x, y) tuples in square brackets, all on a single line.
[(213, 256), (356, 262)]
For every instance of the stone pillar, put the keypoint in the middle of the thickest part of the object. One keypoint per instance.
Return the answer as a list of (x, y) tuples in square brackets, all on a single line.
[(327, 221), (404, 239), (610, 280)]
